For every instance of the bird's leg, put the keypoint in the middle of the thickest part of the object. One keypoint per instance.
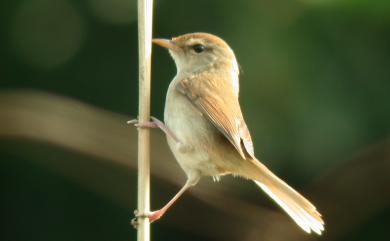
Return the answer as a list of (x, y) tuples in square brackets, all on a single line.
[(155, 123), (155, 215)]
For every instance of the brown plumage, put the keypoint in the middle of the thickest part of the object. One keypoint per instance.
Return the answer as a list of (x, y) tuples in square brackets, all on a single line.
[(211, 138), (216, 100)]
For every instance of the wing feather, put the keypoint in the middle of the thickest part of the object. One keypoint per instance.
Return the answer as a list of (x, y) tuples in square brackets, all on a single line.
[(215, 98)]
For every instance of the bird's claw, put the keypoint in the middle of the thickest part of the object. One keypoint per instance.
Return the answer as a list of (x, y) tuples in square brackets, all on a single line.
[(156, 123), (147, 124), (132, 122), (134, 221), (152, 216)]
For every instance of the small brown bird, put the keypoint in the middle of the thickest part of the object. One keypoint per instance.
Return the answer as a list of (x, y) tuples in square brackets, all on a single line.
[(206, 130)]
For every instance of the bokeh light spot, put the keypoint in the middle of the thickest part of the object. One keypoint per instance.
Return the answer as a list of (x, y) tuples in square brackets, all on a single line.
[(46, 33)]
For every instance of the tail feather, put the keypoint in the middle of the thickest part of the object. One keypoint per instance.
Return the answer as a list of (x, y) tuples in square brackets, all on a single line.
[(294, 204)]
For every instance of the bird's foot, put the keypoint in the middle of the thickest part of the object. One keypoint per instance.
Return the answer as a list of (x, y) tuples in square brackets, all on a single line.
[(147, 124), (155, 123), (152, 216)]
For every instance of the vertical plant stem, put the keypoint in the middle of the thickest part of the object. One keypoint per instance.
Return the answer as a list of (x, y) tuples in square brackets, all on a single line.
[(145, 13)]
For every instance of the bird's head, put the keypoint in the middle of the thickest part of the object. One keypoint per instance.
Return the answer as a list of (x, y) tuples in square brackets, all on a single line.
[(197, 52)]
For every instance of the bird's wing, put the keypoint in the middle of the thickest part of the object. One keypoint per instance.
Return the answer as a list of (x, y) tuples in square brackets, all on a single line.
[(215, 98)]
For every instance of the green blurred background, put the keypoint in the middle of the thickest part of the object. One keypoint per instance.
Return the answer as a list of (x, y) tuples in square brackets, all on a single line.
[(315, 92)]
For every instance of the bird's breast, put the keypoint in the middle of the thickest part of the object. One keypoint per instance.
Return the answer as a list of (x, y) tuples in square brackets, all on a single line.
[(185, 120), (194, 131)]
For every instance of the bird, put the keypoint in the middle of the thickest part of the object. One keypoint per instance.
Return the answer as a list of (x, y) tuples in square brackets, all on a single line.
[(206, 130)]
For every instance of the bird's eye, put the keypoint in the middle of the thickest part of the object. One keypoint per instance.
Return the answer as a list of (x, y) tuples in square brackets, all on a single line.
[(198, 48)]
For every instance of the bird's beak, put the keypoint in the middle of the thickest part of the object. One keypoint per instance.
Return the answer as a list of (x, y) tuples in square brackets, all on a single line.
[(165, 43)]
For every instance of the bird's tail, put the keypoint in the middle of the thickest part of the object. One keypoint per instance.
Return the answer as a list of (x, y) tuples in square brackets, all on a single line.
[(294, 204)]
